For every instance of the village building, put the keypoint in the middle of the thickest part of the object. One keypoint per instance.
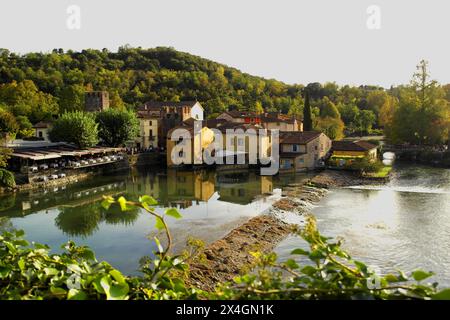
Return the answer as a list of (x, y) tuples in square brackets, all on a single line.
[(268, 120), (303, 150), (163, 117), (195, 137), (346, 151), (96, 101), (42, 129)]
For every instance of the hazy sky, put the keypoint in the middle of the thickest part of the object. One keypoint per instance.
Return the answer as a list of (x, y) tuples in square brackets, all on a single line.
[(294, 41)]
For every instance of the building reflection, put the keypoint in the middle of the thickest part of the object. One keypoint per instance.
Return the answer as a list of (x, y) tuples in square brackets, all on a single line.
[(78, 207)]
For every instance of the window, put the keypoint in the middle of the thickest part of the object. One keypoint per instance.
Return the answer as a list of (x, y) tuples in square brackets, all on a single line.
[(40, 134), (150, 123), (151, 133), (315, 147), (181, 154), (294, 148)]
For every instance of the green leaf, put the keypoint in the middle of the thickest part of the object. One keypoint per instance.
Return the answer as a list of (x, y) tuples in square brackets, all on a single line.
[(308, 270), (75, 294), (148, 200), (21, 264), (106, 204), (123, 203), (113, 291), (173, 212), (442, 295), (158, 244), (117, 276), (420, 275), (300, 251), (159, 223), (290, 263), (58, 291)]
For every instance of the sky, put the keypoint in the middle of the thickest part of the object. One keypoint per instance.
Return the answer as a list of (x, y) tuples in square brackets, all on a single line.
[(294, 41)]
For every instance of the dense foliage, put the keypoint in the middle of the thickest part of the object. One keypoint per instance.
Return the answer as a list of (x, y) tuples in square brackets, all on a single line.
[(7, 179), (115, 127), (41, 86), (30, 271), (75, 127)]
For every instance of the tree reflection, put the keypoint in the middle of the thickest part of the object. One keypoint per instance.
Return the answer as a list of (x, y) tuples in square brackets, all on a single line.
[(83, 220)]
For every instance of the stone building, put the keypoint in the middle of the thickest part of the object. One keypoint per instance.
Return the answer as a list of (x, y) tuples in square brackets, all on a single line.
[(96, 101)]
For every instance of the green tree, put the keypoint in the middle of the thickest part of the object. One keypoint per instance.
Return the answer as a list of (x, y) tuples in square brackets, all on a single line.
[(307, 116), (25, 127), (332, 127), (366, 119), (8, 123), (423, 114), (24, 99), (75, 127), (328, 109), (72, 98), (117, 127)]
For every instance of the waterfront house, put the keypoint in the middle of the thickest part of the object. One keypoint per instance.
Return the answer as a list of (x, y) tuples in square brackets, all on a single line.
[(303, 150), (42, 129), (348, 150), (148, 130), (268, 120), (193, 139), (240, 117), (281, 122), (165, 116)]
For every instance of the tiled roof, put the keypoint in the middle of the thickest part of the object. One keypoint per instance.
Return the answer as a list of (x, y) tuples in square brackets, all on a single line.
[(298, 137), (161, 104), (360, 145), (42, 124)]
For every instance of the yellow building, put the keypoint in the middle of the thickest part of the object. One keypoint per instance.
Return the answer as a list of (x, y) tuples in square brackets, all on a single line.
[(148, 132), (303, 150), (344, 150), (193, 139)]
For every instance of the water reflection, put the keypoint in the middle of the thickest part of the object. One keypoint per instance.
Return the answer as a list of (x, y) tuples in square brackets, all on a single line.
[(79, 212)]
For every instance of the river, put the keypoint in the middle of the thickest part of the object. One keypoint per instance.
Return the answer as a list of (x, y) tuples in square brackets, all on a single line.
[(404, 224), (211, 203)]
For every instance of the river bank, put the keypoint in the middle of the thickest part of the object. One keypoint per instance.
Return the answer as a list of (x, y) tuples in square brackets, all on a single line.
[(228, 257)]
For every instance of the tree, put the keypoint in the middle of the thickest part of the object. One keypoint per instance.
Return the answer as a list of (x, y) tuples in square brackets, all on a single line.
[(307, 116), (332, 127), (75, 127), (350, 115), (24, 99), (328, 109), (8, 123), (117, 127), (72, 98), (256, 108), (25, 127), (366, 119), (423, 114)]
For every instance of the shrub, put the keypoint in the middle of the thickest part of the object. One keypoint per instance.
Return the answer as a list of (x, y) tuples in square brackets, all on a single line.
[(7, 179), (117, 127), (75, 127)]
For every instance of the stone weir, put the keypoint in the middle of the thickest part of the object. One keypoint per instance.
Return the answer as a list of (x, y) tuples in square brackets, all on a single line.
[(228, 257)]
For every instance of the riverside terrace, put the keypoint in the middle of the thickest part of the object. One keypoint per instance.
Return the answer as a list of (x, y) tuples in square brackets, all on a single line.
[(38, 161)]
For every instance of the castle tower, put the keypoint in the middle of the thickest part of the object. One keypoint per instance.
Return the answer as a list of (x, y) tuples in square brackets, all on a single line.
[(96, 101)]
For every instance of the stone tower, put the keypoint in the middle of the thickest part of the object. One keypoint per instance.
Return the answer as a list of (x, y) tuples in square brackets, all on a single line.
[(96, 101)]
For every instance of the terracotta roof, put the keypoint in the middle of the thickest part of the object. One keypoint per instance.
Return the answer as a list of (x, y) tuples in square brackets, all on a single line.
[(360, 145), (298, 137), (42, 124), (241, 114), (161, 104)]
